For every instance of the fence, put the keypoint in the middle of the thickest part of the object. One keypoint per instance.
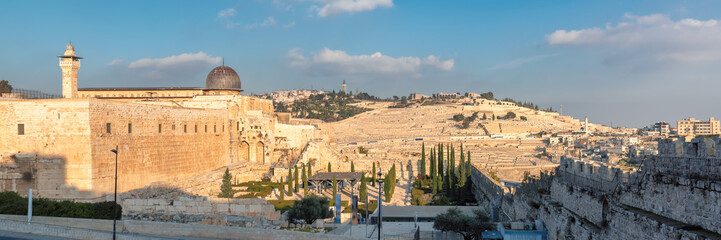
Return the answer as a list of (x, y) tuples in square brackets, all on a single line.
[(35, 94)]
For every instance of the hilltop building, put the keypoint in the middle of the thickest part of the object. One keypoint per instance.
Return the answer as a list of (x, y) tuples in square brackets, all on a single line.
[(61, 147), (663, 129), (692, 126), (345, 87)]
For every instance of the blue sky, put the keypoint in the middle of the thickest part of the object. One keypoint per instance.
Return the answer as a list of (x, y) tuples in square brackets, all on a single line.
[(623, 62)]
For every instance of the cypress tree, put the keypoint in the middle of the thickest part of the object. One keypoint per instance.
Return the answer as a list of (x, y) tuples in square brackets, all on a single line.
[(352, 167), (287, 181), (329, 167), (310, 172), (423, 159), (363, 189), (468, 166), (462, 170), (305, 182), (432, 159), (453, 181), (281, 195), (295, 179), (335, 190), (440, 160), (373, 175)]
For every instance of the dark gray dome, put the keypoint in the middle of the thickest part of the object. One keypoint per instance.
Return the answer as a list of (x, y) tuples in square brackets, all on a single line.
[(222, 77)]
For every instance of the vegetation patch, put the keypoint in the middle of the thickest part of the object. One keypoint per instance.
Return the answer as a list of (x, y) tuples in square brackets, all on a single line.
[(14, 204)]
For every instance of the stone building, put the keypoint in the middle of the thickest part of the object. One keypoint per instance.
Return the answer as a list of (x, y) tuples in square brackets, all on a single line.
[(61, 147), (692, 126)]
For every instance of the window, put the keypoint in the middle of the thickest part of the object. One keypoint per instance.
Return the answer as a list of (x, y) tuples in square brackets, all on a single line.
[(215, 128), (173, 126), (237, 125), (130, 128), (223, 127), (160, 128), (21, 129), (185, 128), (196, 128), (206, 128), (107, 128)]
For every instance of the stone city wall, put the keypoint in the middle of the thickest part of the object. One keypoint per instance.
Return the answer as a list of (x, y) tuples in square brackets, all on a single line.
[(186, 209), (580, 202), (156, 143)]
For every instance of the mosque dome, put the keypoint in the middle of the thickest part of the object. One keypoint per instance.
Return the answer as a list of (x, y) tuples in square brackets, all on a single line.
[(222, 77)]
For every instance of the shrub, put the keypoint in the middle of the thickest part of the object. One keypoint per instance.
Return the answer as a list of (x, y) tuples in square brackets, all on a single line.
[(309, 209), (458, 117), (14, 204)]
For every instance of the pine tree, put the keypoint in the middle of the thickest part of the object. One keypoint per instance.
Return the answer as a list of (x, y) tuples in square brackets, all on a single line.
[(295, 179), (281, 189), (329, 167), (335, 189), (363, 190), (373, 175), (226, 189), (305, 182), (352, 167), (423, 159)]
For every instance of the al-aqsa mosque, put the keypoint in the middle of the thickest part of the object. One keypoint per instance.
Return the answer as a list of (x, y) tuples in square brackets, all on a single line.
[(61, 147)]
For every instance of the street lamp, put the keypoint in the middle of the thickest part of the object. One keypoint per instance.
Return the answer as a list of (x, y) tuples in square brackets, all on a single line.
[(380, 203), (115, 201)]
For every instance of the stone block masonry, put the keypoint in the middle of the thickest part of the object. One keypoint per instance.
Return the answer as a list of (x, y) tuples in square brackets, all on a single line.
[(186, 209)]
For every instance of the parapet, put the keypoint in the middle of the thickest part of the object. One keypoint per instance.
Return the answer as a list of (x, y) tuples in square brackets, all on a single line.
[(703, 146), (596, 175)]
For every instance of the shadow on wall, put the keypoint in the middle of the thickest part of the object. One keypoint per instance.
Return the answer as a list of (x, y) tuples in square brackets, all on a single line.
[(47, 175)]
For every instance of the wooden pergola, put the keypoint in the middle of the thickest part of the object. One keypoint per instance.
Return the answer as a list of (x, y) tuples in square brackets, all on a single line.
[(324, 180)]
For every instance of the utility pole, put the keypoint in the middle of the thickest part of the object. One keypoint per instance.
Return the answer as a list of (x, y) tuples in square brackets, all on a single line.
[(380, 204), (115, 201)]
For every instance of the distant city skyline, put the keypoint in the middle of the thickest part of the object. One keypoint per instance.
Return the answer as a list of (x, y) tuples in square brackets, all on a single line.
[(626, 63)]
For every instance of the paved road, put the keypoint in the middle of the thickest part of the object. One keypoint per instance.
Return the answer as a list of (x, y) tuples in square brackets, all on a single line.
[(23, 236)]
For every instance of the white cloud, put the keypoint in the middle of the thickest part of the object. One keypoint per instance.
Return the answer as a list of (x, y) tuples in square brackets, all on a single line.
[(289, 25), (229, 12), (185, 59), (334, 7), (329, 61), (115, 62), (269, 21), (518, 62), (654, 37)]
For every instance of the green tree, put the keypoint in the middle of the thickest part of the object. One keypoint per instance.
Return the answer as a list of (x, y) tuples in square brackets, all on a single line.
[(226, 189), (433, 163), (373, 175), (440, 160), (5, 87), (352, 167), (363, 189), (305, 182), (470, 227), (329, 170), (510, 115), (523, 118), (281, 193), (462, 170), (310, 171), (423, 159), (458, 117), (295, 180), (484, 116), (309, 209), (335, 188), (287, 180)]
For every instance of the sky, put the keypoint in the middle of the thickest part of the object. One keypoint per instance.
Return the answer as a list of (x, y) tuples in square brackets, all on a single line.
[(621, 63)]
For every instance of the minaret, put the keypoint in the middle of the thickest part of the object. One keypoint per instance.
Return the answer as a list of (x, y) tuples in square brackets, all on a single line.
[(585, 125), (345, 90), (70, 64)]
